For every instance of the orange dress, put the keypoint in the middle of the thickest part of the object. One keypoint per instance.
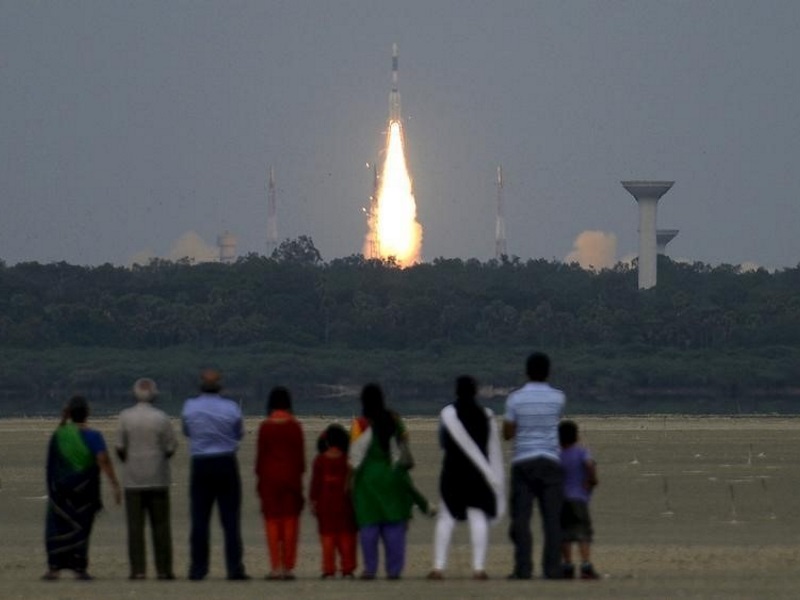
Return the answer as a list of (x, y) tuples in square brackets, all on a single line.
[(280, 463)]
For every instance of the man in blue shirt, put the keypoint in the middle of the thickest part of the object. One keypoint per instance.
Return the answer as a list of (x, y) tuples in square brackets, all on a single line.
[(214, 427), (531, 420)]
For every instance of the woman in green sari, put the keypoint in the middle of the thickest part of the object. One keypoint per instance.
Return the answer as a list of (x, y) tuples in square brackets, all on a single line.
[(75, 457), (383, 493)]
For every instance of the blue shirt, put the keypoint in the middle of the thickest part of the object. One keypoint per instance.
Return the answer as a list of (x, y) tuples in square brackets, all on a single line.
[(535, 410), (94, 440), (574, 461), (213, 425)]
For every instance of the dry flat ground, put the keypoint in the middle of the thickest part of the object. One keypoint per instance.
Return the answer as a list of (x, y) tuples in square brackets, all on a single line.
[(686, 508)]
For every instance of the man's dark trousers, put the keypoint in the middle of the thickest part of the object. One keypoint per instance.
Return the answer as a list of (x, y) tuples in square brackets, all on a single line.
[(542, 479), (139, 505), (215, 478)]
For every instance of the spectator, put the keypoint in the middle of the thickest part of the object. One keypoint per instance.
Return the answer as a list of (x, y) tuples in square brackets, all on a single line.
[(531, 420), (214, 427), (471, 483), (280, 464), (76, 456), (145, 444), (382, 497), (580, 478), (332, 504)]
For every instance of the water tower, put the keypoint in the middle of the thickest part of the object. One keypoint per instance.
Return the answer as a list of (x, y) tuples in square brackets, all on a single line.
[(227, 247), (664, 237), (647, 194)]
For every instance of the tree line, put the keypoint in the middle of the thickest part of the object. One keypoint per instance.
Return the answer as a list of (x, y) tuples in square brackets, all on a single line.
[(703, 331)]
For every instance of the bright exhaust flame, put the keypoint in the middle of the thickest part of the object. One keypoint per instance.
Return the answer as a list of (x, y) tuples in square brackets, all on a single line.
[(394, 225)]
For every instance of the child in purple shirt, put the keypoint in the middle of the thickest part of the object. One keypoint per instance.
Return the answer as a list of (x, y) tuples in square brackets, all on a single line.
[(580, 477)]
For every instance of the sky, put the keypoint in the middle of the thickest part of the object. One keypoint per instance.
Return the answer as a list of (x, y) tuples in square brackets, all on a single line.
[(130, 128)]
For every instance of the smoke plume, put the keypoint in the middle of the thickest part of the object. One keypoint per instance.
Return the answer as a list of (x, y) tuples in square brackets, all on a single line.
[(748, 266), (188, 246), (595, 250)]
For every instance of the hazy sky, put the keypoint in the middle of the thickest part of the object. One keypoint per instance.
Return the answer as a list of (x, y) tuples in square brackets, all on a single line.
[(124, 125)]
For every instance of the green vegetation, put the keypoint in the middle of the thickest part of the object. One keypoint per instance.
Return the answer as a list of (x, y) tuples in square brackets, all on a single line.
[(706, 339)]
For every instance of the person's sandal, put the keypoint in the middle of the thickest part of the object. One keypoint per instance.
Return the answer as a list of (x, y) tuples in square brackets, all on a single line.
[(435, 575)]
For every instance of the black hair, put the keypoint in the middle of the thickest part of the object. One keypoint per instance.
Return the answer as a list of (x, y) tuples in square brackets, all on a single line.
[(466, 388), (538, 366), (77, 409), (470, 413), (279, 399), (372, 404), (567, 433), (374, 409), (334, 436)]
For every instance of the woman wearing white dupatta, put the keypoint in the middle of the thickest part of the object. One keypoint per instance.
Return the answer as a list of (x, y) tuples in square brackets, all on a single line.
[(472, 480)]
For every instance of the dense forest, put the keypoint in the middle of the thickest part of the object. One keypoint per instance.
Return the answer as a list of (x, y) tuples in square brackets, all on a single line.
[(706, 339)]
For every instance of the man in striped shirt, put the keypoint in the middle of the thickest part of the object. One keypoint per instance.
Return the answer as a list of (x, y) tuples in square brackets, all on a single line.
[(531, 420)]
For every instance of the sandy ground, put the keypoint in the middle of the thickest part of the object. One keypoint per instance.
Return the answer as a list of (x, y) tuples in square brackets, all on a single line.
[(686, 508)]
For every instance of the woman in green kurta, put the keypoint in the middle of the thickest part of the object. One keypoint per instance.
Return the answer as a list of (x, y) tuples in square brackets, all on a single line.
[(382, 490)]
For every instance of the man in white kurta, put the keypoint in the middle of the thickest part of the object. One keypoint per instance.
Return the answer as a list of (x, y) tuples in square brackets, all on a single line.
[(145, 443)]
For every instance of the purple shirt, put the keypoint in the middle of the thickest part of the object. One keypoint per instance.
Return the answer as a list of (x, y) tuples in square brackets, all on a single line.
[(573, 462)]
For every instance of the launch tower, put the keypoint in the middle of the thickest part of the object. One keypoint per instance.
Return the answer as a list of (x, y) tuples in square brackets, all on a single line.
[(272, 214), (373, 249), (500, 246)]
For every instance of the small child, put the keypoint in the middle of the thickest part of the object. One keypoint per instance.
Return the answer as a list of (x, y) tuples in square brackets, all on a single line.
[(331, 502), (580, 477)]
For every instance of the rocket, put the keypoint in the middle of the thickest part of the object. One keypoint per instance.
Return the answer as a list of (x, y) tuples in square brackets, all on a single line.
[(394, 95)]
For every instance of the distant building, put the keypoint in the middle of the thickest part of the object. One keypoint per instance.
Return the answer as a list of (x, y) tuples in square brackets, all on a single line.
[(227, 247), (664, 237), (647, 194)]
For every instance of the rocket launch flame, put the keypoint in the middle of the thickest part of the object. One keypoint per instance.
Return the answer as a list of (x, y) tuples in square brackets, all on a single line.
[(396, 230), (392, 226)]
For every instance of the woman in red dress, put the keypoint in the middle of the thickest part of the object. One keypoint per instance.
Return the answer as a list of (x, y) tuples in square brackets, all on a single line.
[(280, 463)]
